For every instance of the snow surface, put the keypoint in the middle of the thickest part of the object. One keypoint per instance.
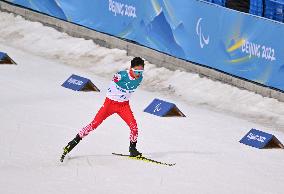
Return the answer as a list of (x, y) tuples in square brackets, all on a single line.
[(38, 118)]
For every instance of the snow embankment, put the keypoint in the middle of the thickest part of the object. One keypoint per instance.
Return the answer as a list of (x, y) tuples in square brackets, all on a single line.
[(43, 41)]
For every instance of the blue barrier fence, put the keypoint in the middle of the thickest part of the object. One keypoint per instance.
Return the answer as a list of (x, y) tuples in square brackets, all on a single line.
[(256, 7), (274, 9), (232, 42)]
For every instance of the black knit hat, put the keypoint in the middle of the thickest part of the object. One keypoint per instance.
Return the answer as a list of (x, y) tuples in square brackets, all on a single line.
[(137, 61)]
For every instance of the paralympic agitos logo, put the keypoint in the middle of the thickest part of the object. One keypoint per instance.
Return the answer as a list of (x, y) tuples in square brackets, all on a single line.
[(202, 40)]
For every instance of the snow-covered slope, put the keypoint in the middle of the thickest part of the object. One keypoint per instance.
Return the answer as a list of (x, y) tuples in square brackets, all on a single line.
[(38, 117), (48, 43)]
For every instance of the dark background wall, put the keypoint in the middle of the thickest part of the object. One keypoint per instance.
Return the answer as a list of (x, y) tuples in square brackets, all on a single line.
[(240, 5)]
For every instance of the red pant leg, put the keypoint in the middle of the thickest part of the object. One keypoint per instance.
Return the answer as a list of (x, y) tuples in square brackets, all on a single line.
[(105, 111), (126, 114)]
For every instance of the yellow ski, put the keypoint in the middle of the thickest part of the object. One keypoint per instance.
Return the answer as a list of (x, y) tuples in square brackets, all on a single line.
[(145, 159)]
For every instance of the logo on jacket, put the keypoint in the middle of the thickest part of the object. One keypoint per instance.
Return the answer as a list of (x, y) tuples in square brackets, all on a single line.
[(202, 40)]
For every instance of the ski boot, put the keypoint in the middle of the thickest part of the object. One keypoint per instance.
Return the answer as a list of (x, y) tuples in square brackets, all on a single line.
[(70, 146), (133, 152)]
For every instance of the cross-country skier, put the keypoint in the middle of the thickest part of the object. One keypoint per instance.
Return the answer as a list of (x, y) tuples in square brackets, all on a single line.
[(123, 84)]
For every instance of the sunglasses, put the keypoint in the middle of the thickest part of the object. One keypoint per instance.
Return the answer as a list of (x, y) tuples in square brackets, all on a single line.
[(137, 71)]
